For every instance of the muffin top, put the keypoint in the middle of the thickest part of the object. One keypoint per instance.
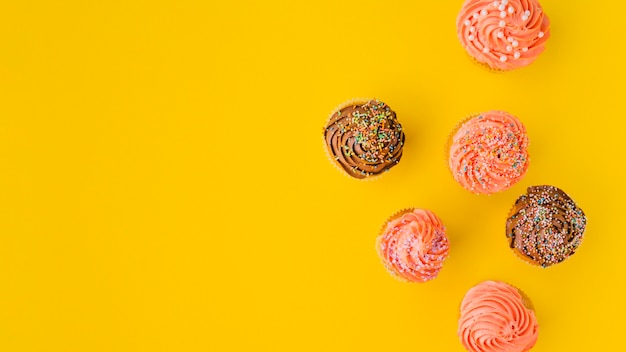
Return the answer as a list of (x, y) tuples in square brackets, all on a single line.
[(488, 153), (506, 34), (495, 317), (545, 225), (364, 139)]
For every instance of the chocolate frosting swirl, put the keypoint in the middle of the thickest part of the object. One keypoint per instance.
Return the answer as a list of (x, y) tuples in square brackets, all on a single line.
[(365, 139), (545, 226)]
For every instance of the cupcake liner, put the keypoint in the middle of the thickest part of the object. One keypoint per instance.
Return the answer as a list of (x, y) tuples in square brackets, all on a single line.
[(526, 301), (484, 64), (331, 158), (524, 258)]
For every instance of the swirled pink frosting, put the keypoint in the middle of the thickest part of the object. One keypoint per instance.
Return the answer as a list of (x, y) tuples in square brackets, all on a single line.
[(414, 245), (488, 153), (495, 319), (505, 34)]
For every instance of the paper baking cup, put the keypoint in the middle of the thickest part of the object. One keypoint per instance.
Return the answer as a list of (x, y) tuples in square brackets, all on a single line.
[(525, 299), (483, 64)]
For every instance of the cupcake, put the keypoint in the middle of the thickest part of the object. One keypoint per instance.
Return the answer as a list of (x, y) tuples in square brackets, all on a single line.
[(545, 226), (487, 153), (503, 35), (496, 317), (364, 138), (413, 245)]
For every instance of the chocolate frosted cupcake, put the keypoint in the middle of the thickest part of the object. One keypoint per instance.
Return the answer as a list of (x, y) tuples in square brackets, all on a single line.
[(545, 226), (364, 138)]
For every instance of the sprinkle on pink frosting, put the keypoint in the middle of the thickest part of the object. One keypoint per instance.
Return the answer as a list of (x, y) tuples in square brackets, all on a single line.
[(488, 153), (494, 319), (506, 34), (414, 246)]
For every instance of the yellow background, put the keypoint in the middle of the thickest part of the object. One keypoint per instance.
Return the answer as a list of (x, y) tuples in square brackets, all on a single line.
[(163, 185)]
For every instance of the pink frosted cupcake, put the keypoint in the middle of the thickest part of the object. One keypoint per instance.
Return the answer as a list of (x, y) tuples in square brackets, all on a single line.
[(496, 317), (503, 35), (487, 153), (413, 245)]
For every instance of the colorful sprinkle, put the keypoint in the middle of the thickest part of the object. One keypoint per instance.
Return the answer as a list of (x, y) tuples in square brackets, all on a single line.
[(546, 226)]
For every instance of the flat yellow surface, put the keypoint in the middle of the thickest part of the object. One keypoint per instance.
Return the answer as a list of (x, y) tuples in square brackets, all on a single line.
[(163, 186)]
